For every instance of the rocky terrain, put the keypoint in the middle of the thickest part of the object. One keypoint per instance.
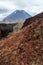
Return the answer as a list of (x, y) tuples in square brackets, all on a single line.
[(24, 47), (33, 19)]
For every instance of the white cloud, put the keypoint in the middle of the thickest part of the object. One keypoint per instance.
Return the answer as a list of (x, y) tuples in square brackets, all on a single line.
[(9, 5), (31, 6)]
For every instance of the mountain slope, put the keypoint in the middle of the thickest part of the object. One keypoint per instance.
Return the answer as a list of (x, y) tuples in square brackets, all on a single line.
[(24, 47), (35, 18), (17, 16)]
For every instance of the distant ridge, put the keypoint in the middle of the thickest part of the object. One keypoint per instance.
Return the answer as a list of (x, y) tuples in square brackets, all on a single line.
[(17, 16)]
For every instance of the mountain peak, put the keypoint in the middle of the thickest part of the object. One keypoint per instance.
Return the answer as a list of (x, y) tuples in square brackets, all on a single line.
[(17, 16), (19, 11)]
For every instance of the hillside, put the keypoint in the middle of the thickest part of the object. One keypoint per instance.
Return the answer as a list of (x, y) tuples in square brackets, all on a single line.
[(16, 16), (33, 19), (24, 47)]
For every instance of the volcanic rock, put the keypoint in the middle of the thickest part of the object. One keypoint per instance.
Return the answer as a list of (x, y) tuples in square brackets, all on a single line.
[(24, 47), (33, 19)]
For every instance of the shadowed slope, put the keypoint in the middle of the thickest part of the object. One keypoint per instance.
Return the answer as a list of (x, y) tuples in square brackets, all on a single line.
[(33, 19), (24, 47), (6, 29)]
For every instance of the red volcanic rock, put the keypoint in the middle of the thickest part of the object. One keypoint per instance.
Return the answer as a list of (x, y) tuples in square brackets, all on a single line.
[(24, 47)]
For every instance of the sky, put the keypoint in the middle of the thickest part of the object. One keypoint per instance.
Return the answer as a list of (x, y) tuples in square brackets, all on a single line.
[(33, 7)]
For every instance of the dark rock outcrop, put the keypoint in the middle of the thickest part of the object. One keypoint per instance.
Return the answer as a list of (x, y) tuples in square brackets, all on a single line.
[(6, 29), (33, 19)]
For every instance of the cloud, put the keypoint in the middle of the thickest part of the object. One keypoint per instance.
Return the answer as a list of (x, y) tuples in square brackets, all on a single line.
[(6, 4), (22, 4), (33, 7), (3, 10)]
